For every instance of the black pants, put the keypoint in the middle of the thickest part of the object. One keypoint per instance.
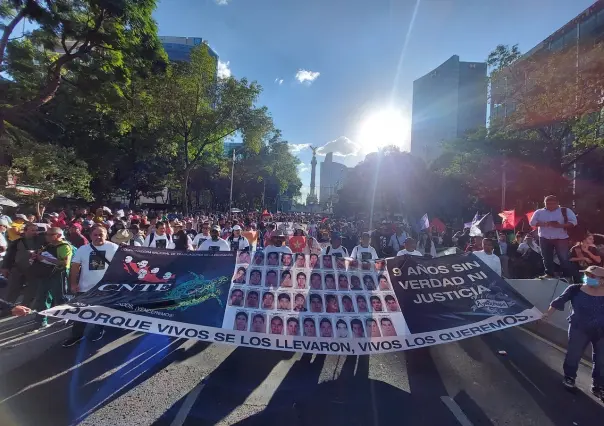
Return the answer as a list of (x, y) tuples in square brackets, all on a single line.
[(79, 329)]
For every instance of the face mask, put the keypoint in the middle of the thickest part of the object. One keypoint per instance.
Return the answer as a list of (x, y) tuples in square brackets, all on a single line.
[(592, 282)]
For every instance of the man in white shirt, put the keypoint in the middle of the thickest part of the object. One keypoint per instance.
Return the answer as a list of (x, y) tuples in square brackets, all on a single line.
[(88, 266), (553, 222), (335, 248), (397, 239), (159, 238), (364, 251), (202, 236), (410, 248), (277, 243), (488, 257), (215, 243), (238, 241)]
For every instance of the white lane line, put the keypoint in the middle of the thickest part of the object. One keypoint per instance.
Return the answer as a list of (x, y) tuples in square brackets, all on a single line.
[(526, 378), (187, 405), (456, 410)]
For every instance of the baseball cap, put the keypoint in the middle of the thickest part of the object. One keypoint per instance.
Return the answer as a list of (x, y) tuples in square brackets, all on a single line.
[(216, 228), (21, 216), (598, 271), (236, 228), (4, 222)]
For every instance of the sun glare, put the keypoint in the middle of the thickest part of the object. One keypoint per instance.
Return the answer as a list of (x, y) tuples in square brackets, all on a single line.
[(383, 128)]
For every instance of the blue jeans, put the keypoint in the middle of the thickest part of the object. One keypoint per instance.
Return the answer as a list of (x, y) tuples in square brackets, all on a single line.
[(577, 342), (547, 252)]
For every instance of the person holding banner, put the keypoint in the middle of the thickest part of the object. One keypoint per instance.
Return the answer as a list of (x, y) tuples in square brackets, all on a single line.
[(215, 243), (202, 236), (586, 326), (410, 248), (488, 257), (277, 244), (364, 251), (237, 241), (159, 238), (87, 268), (335, 248)]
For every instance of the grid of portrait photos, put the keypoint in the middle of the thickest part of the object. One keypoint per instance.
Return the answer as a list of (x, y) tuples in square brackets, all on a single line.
[(312, 296)]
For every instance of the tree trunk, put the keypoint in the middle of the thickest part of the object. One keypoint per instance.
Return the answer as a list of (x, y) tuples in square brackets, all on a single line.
[(184, 193), (132, 198)]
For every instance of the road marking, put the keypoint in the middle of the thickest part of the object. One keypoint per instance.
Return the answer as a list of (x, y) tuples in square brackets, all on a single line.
[(526, 378), (187, 405), (456, 410)]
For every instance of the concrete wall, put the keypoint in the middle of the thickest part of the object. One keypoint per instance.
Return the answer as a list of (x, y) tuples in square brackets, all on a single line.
[(540, 293)]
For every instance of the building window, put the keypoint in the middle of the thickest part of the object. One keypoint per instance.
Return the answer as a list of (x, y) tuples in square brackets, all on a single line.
[(588, 26), (556, 44)]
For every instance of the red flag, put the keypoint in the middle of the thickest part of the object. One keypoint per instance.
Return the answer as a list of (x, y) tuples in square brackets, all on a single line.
[(509, 219), (529, 216), (297, 244)]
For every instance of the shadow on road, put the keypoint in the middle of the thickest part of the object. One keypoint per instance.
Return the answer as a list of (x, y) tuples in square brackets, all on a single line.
[(93, 374), (543, 383)]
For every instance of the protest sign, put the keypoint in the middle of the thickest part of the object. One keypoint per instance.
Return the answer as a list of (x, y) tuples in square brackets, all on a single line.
[(297, 302)]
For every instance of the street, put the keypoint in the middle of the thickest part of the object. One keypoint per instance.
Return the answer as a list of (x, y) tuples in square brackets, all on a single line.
[(144, 379)]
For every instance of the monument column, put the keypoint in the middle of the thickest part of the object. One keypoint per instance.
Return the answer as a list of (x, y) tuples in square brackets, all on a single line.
[(312, 196)]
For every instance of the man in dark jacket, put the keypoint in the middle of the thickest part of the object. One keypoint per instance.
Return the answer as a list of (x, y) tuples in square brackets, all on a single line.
[(16, 264)]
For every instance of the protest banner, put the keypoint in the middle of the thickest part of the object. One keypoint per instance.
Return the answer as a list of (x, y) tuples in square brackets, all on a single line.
[(297, 302)]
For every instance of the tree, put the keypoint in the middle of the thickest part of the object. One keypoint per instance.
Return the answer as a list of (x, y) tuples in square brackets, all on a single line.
[(200, 111), (47, 171), (93, 38), (397, 182)]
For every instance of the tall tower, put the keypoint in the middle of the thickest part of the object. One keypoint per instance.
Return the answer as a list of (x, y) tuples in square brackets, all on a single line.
[(312, 197)]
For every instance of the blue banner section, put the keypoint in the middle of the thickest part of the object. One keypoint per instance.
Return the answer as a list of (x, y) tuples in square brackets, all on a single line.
[(182, 286)]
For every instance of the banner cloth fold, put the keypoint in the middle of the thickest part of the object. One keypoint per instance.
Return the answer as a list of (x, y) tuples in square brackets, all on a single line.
[(313, 304)]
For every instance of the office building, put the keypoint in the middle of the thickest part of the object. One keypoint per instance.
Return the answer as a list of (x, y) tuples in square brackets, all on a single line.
[(179, 48), (579, 34), (332, 176), (447, 102)]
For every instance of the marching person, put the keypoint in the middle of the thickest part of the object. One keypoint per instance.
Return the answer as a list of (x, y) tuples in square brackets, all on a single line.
[(397, 240), (202, 236), (87, 269), (215, 243), (277, 243), (364, 251), (586, 326), (238, 241), (553, 223), (335, 248), (159, 238), (410, 249), (488, 256), (48, 273), (16, 265)]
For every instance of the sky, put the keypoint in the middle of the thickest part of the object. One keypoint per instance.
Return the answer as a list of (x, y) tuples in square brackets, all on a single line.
[(338, 74)]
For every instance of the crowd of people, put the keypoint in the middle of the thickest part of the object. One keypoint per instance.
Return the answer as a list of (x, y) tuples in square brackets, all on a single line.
[(45, 260)]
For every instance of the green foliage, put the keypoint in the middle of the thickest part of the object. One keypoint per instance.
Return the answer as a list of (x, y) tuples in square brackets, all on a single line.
[(203, 110), (103, 42), (49, 171)]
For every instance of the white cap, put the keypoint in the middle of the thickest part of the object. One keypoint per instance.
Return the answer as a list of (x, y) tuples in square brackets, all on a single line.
[(236, 228), (21, 216), (4, 222)]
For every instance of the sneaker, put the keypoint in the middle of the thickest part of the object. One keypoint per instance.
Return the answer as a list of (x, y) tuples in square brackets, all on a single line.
[(98, 336), (72, 341), (598, 391), (569, 383), (40, 327)]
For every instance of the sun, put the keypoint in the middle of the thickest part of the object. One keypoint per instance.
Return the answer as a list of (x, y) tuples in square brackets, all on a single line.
[(384, 128)]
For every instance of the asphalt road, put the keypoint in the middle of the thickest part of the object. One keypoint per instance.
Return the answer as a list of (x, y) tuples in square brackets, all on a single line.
[(139, 379)]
